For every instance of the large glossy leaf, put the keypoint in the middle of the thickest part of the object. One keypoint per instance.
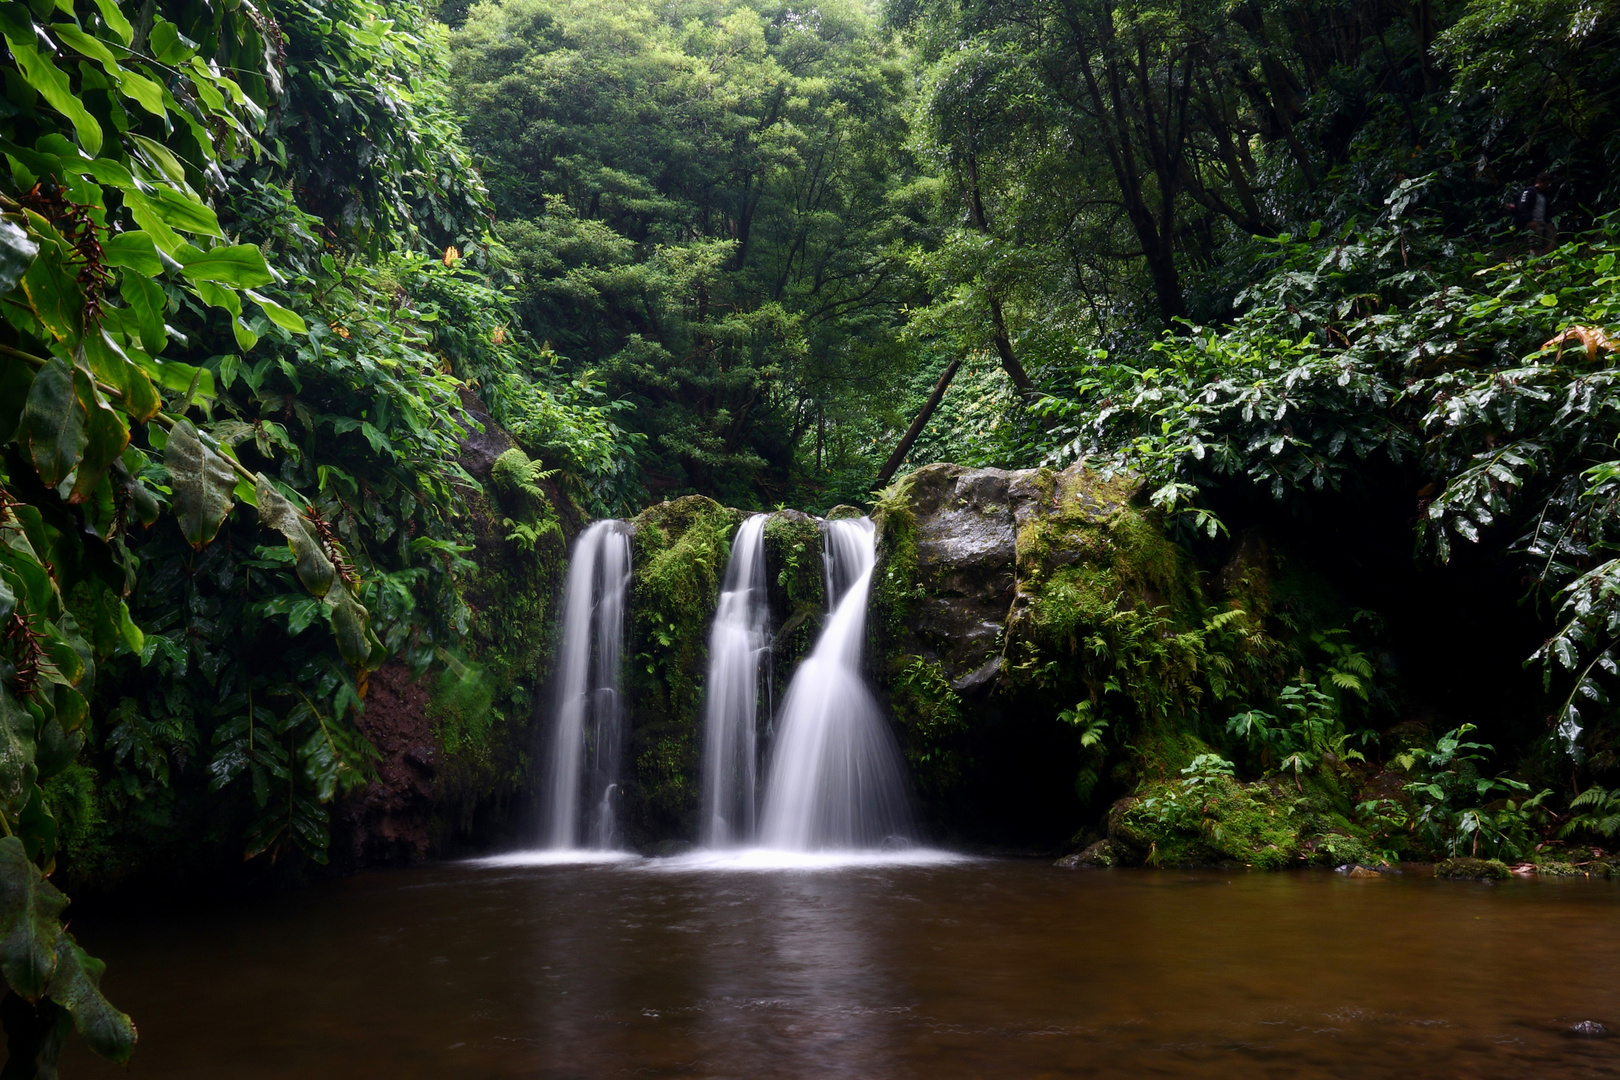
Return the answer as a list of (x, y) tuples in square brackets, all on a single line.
[(85, 45), (350, 622), (186, 213), (315, 569), (143, 91), (16, 751), (30, 922), (76, 986), (169, 44), (106, 435), (147, 300), (54, 423), (52, 85), (134, 250), (115, 20), (282, 317), (53, 290), (17, 252), (239, 265), (202, 481), (151, 220)]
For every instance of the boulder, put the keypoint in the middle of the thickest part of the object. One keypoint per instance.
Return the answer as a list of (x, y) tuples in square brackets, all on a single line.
[(1100, 854), (1464, 869)]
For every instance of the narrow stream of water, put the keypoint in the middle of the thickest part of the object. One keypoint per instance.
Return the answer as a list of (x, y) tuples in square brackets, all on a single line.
[(586, 739), (836, 781), (717, 966), (731, 692)]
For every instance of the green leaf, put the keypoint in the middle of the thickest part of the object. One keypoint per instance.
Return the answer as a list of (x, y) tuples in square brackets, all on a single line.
[(173, 375), (239, 265), (53, 423), (132, 635), (315, 569), (168, 44), (53, 86), (165, 161), (187, 212), (16, 751), (76, 986), (54, 292), (143, 91), (115, 20), (133, 250), (282, 317), (149, 217), (146, 299), (85, 45), (202, 481), (216, 295), (350, 626), (17, 252), (106, 436), (30, 921)]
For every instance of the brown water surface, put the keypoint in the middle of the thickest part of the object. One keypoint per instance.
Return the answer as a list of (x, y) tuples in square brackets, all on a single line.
[(991, 968)]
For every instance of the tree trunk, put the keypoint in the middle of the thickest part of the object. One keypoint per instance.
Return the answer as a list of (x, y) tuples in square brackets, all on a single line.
[(886, 473), (998, 323)]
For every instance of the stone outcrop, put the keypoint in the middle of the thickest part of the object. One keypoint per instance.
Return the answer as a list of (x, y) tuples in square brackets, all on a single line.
[(985, 540)]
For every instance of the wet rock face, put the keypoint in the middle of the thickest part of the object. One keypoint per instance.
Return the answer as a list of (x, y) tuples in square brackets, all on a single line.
[(966, 557), (968, 526)]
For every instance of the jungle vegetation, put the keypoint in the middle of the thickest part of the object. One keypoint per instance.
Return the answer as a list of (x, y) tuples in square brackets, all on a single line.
[(259, 258)]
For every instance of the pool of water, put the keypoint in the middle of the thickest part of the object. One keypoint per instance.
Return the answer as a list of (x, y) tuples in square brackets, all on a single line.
[(928, 967)]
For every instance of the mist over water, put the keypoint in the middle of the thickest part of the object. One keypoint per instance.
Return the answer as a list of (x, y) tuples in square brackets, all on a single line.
[(835, 779), (737, 649), (587, 732)]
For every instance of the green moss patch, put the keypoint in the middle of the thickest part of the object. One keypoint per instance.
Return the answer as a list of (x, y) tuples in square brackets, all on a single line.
[(678, 560)]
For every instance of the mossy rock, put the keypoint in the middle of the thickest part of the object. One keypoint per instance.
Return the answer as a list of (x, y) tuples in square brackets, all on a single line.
[(679, 551), (1214, 820), (1465, 869), (796, 587), (1099, 856), (1560, 869)]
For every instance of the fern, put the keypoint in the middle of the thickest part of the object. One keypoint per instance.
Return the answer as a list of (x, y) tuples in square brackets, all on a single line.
[(1601, 816)]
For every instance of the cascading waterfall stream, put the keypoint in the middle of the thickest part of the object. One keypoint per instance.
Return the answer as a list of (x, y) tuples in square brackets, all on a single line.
[(835, 779), (588, 728), (731, 703)]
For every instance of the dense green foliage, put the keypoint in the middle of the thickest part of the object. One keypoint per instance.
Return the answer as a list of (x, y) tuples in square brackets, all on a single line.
[(223, 290), (262, 263)]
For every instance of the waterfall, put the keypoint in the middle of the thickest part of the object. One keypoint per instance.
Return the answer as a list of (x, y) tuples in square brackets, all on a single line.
[(835, 778), (731, 698), (588, 728)]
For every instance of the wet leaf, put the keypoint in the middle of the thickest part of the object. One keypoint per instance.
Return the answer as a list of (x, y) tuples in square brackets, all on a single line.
[(135, 251), (53, 423), (350, 626), (76, 986), (202, 482), (57, 300), (314, 568), (239, 265), (30, 922), (285, 318), (17, 252), (52, 85), (106, 435)]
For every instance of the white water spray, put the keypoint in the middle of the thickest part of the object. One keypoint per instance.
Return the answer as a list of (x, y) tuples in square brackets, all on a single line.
[(835, 779), (731, 698), (588, 728)]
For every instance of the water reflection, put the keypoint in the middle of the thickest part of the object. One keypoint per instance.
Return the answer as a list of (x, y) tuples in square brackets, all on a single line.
[(957, 969)]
